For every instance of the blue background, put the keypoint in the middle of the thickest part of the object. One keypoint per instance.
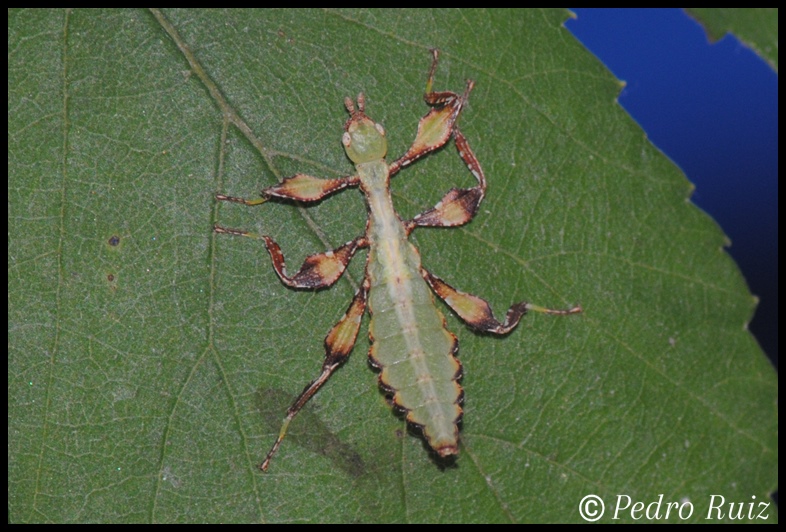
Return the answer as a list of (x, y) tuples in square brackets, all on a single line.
[(713, 110)]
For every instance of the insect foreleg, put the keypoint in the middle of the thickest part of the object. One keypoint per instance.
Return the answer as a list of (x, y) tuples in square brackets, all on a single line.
[(437, 98), (434, 129), (299, 187), (318, 271), (338, 344), (476, 312)]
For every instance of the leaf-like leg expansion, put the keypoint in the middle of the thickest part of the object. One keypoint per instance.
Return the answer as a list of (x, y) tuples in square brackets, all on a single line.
[(459, 205), (299, 187), (305, 188), (436, 128), (476, 312), (338, 344), (318, 271)]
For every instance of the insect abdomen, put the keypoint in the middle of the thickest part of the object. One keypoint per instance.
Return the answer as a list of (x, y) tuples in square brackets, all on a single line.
[(411, 345)]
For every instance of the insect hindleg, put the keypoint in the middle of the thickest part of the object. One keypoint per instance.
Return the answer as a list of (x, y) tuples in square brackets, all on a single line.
[(476, 312), (318, 271), (338, 344)]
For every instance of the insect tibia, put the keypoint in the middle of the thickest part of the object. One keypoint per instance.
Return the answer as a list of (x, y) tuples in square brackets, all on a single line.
[(293, 410)]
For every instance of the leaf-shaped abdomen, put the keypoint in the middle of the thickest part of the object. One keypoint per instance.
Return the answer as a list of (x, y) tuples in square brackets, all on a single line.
[(412, 347)]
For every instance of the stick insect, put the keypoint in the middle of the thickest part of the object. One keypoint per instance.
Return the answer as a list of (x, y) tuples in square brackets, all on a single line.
[(410, 343)]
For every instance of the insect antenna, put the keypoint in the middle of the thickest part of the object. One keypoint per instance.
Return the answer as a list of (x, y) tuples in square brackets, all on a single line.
[(349, 105)]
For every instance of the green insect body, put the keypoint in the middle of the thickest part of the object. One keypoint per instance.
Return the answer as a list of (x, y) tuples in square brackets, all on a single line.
[(411, 345)]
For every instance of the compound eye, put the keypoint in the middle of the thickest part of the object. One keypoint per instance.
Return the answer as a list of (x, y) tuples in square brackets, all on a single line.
[(379, 128), (346, 139)]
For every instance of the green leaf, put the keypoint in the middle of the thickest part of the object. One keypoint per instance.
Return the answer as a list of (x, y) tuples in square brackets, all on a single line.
[(151, 361), (756, 27)]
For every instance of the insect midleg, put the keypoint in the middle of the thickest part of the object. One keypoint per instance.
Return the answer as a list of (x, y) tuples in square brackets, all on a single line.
[(476, 312), (459, 205), (338, 344), (318, 271)]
